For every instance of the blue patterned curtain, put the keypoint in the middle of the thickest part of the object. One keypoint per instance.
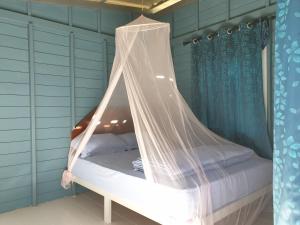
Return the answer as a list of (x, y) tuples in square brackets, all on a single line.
[(228, 88), (287, 114)]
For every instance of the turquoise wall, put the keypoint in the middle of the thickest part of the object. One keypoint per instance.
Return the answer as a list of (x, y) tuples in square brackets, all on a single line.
[(54, 63), (202, 16)]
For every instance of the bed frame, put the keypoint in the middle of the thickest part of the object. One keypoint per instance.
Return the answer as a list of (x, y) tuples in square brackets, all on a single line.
[(217, 216)]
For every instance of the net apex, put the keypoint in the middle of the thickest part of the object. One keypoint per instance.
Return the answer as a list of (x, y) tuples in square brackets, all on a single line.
[(142, 23)]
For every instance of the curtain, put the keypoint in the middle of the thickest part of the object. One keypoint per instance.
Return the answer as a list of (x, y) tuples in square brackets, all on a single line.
[(287, 114), (228, 87)]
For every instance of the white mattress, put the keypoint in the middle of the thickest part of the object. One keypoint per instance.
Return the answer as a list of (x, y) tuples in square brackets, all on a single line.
[(114, 174)]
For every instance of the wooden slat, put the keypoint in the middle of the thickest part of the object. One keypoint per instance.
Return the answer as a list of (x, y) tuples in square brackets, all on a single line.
[(14, 5), (50, 80), (47, 69), (14, 100), (15, 159), (50, 133), (84, 17), (52, 91), (49, 175), (14, 194), (51, 59), (14, 135), (15, 147), (13, 42), (53, 122), (13, 171), (50, 48), (15, 124), (50, 111), (14, 89), (186, 19), (15, 182), (13, 65), (111, 19), (48, 37), (239, 7), (52, 101), (13, 77), (53, 143), (13, 30), (52, 164), (53, 154), (53, 12), (88, 64)]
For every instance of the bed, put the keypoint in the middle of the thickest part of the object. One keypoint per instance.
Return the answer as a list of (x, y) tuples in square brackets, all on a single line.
[(113, 176)]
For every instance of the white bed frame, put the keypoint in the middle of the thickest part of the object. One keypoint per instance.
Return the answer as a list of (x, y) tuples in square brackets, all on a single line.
[(217, 216)]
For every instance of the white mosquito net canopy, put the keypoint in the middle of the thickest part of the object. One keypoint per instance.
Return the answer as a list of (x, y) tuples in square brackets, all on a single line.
[(177, 151)]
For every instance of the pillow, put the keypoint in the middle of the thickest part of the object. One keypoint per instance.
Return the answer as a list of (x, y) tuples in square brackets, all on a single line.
[(130, 140), (103, 143), (211, 157)]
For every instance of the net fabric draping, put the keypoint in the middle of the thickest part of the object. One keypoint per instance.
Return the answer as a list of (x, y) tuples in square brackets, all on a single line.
[(172, 142)]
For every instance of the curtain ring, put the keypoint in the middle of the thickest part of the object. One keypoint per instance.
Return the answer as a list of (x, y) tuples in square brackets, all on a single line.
[(210, 36), (229, 31), (195, 41), (249, 25)]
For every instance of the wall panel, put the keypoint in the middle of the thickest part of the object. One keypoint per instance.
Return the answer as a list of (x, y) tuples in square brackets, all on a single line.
[(89, 60), (239, 7), (15, 147), (51, 128), (110, 54), (14, 5), (53, 12), (85, 18), (164, 17), (211, 12), (112, 18), (182, 59), (186, 19), (68, 78)]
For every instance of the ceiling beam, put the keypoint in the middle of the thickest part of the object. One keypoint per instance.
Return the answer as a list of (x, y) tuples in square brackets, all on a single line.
[(155, 7), (127, 4), (163, 6)]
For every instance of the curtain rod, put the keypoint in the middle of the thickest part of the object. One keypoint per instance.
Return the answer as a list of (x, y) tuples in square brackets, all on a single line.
[(229, 30)]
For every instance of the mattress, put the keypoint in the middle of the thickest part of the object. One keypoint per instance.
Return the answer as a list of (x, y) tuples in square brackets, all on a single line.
[(114, 174)]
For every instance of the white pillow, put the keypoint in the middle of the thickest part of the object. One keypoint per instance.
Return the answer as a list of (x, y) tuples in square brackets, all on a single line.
[(130, 140), (211, 157), (103, 143)]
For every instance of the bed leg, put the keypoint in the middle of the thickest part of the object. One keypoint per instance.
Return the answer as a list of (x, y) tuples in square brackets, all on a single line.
[(73, 188), (107, 210)]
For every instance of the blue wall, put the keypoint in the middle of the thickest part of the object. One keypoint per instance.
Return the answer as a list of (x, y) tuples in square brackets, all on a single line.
[(54, 63)]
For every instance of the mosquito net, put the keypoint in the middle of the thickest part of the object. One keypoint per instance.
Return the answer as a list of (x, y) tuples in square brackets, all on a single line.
[(176, 150)]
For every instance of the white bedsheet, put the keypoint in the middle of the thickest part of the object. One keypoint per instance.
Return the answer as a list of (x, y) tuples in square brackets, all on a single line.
[(113, 173), (211, 157)]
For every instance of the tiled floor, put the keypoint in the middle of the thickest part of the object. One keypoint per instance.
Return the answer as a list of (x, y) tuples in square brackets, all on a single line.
[(85, 209)]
